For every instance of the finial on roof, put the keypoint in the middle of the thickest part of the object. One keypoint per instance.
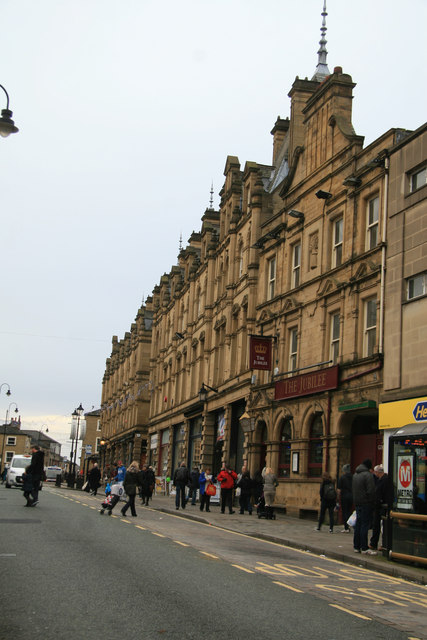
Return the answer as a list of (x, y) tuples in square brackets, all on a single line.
[(180, 242), (322, 70), (211, 198)]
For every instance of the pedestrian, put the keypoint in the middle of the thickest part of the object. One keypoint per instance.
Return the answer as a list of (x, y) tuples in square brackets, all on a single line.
[(181, 480), (131, 482), (384, 497), (328, 501), (36, 469), (194, 480), (4, 473), (364, 500), (270, 484), (94, 479), (205, 480), (147, 485), (27, 485), (227, 478), (258, 486), (245, 485), (345, 495), (120, 472)]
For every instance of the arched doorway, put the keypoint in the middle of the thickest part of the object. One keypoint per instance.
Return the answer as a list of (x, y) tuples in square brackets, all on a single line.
[(263, 444), (366, 441)]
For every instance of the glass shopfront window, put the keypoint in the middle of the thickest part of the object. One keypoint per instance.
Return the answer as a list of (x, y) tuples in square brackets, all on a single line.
[(178, 455), (195, 442)]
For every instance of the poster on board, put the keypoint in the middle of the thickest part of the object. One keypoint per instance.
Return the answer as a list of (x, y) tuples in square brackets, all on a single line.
[(405, 482)]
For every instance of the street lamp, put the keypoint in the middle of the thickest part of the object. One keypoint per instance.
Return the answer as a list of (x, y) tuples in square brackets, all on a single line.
[(8, 393), (39, 440), (4, 429), (7, 125), (203, 393), (75, 426)]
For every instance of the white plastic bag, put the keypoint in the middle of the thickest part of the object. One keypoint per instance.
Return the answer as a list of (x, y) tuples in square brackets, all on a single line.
[(352, 520)]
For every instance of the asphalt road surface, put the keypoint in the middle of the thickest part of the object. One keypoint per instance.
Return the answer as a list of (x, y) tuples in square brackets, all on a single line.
[(68, 572)]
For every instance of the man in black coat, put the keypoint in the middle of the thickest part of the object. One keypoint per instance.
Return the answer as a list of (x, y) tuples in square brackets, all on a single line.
[(181, 480), (364, 500), (36, 469), (94, 479), (383, 503)]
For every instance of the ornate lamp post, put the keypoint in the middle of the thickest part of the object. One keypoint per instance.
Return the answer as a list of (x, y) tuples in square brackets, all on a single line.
[(75, 427)]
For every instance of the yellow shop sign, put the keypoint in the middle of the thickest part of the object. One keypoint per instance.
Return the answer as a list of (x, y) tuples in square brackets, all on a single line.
[(393, 415)]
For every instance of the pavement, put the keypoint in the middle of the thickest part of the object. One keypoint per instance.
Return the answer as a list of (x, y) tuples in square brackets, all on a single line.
[(295, 533)]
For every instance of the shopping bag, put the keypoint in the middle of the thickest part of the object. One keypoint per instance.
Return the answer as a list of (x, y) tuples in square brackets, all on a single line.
[(210, 490), (352, 520), (85, 486)]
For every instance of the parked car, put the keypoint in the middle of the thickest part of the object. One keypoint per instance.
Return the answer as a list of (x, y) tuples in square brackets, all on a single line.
[(15, 471), (52, 473)]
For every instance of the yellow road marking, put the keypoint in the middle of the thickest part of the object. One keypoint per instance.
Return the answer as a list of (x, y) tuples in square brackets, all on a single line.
[(84, 504), (210, 555), (127, 521), (160, 535), (183, 544), (139, 527), (93, 508), (242, 568), (287, 586), (352, 613)]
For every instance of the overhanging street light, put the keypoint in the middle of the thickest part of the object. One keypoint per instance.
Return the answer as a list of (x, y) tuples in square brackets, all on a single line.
[(7, 125), (8, 392), (203, 393)]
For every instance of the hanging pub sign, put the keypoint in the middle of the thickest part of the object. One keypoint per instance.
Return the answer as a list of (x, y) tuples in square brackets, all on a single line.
[(260, 352)]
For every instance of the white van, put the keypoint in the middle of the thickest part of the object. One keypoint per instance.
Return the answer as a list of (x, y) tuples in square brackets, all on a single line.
[(15, 471)]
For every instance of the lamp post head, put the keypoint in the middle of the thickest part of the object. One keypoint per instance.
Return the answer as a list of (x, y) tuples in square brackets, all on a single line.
[(79, 410), (203, 393), (8, 392), (7, 125)]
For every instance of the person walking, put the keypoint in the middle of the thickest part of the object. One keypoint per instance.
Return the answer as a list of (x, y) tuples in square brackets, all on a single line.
[(364, 499), (258, 486), (120, 472), (345, 495), (205, 479), (130, 484), (245, 485), (148, 482), (181, 480), (194, 485), (270, 484), (226, 477), (94, 479), (328, 501), (36, 469)]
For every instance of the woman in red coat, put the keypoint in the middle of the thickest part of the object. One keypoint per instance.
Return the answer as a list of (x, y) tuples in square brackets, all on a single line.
[(227, 478)]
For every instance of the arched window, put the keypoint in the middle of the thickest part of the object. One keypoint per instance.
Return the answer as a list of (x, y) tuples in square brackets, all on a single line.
[(315, 455), (285, 449)]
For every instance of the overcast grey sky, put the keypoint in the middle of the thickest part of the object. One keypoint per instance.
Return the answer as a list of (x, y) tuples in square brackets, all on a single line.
[(127, 112)]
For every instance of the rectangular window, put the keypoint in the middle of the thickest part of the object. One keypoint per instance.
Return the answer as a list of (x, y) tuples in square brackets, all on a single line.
[(335, 338), (296, 265), (271, 285), (372, 223), (293, 349), (337, 240), (416, 286), (11, 441), (418, 179), (370, 337), (98, 425), (97, 445)]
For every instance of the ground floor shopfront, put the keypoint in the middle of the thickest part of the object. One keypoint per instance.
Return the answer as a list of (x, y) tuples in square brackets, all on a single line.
[(309, 424), (404, 424)]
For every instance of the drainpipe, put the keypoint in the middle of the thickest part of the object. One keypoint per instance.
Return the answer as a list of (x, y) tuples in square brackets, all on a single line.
[(383, 255)]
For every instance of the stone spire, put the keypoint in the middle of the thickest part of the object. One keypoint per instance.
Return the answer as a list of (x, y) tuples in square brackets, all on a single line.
[(211, 198), (322, 70)]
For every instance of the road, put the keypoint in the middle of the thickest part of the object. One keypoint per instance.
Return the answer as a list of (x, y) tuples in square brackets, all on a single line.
[(67, 571)]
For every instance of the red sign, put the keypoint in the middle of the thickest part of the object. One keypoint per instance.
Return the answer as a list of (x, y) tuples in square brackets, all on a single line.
[(260, 353), (405, 474), (307, 383)]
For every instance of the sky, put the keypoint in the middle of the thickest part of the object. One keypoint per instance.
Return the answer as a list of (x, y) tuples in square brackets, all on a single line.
[(127, 112)]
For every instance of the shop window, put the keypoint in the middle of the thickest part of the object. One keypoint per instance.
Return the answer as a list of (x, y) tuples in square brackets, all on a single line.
[(285, 450), (315, 455), (372, 223)]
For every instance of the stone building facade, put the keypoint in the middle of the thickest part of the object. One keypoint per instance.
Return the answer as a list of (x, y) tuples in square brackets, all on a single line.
[(295, 255), (126, 395)]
